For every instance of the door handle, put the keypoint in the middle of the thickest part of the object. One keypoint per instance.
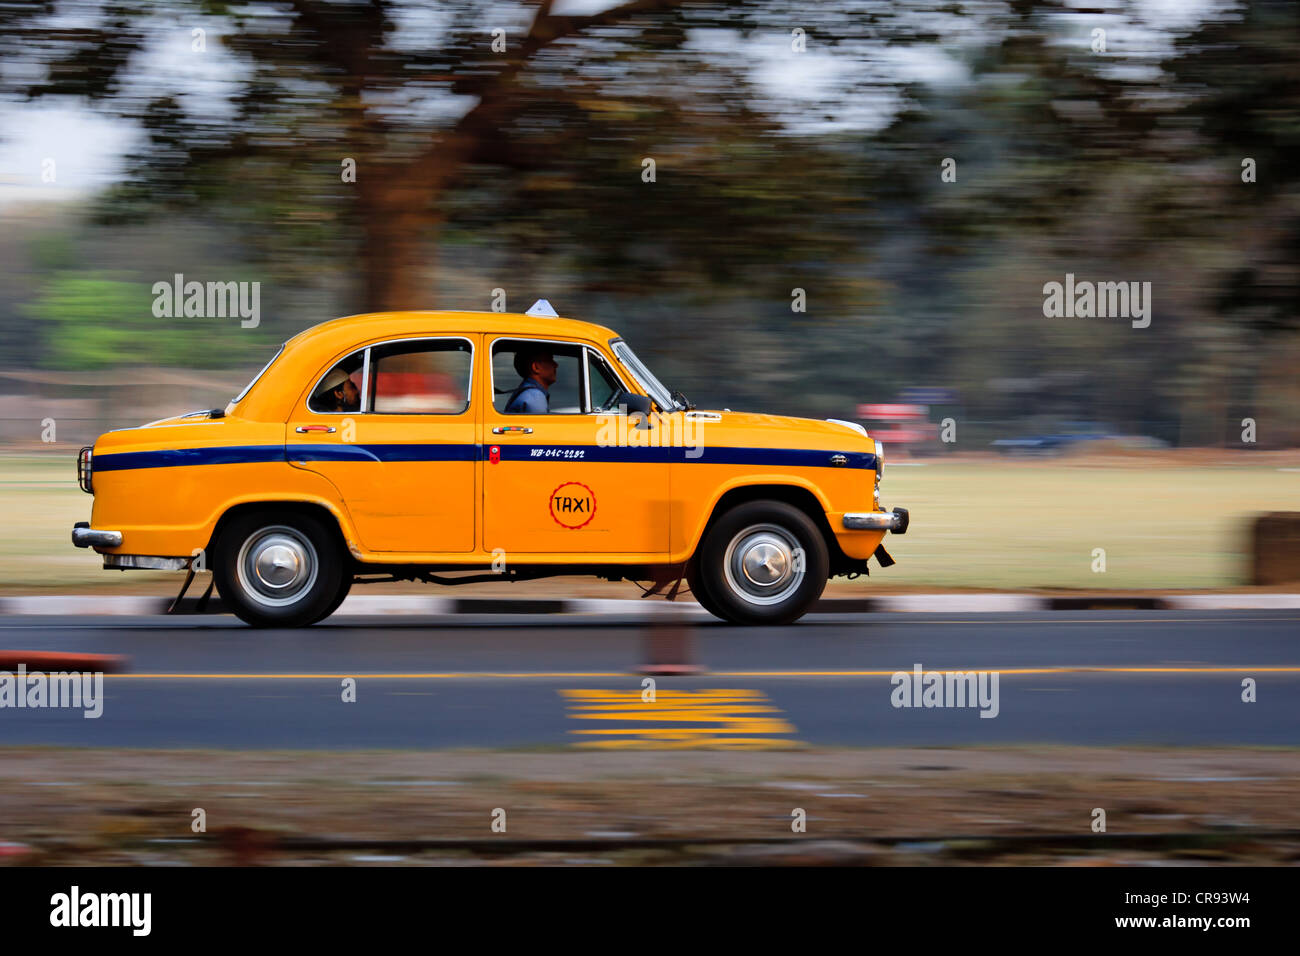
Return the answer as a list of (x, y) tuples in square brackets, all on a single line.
[(502, 429), (315, 428)]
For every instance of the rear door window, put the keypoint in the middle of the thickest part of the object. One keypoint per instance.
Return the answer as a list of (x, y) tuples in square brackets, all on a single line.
[(424, 377)]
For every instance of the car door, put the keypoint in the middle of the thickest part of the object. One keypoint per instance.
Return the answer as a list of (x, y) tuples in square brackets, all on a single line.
[(404, 462), (570, 481)]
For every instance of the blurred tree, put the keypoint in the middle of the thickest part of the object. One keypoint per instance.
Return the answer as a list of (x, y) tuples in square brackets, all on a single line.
[(412, 98), (523, 163), (1252, 113)]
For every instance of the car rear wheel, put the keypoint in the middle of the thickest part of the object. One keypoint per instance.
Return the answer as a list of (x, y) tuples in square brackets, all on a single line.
[(278, 570), (345, 586), (763, 562)]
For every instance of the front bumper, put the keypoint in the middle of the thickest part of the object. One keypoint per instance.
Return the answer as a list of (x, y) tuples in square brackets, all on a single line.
[(895, 521), (84, 536)]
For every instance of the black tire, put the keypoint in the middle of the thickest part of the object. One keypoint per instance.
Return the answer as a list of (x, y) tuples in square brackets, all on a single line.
[(293, 568), (757, 541), (345, 585), (702, 597)]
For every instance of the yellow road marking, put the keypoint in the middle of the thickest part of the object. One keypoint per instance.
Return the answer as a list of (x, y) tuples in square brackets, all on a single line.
[(1020, 670), (695, 743), (722, 717), (623, 675), (1057, 621)]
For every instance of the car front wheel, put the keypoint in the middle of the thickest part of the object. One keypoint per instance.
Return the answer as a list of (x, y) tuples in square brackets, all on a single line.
[(763, 562), (278, 570), (696, 583)]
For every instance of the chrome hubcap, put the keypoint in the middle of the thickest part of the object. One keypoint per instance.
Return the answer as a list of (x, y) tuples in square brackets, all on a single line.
[(277, 566), (762, 564)]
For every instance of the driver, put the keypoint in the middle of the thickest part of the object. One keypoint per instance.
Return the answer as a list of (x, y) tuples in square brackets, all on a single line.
[(538, 369), (338, 393)]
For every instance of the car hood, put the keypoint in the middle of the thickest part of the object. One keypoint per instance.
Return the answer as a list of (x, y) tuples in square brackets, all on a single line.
[(719, 426)]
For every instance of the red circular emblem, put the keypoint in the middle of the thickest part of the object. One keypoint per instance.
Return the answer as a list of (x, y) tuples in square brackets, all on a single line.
[(573, 504)]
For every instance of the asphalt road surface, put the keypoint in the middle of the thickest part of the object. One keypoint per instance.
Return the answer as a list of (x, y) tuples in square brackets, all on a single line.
[(1096, 678)]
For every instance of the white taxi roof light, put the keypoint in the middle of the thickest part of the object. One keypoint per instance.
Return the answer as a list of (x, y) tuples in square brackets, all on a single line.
[(542, 309)]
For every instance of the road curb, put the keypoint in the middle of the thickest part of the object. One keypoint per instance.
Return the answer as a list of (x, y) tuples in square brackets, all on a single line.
[(380, 605)]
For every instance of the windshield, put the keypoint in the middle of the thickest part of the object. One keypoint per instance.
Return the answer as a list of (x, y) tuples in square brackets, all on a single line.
[(238, 398), (663, 398)]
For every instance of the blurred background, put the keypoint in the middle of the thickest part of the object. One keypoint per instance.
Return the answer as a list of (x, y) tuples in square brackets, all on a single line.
[(842, 209), (835, 210)]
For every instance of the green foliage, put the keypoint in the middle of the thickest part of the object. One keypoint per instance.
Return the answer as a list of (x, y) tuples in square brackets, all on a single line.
[(95, 320)]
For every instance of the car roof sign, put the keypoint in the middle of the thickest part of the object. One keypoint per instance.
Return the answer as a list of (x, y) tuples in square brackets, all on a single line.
[(543, 309)]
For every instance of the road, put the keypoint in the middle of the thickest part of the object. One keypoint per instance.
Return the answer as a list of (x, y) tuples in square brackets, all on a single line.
[(1095, 678)]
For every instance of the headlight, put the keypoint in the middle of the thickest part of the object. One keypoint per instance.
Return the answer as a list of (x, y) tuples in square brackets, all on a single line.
[(85, 468)]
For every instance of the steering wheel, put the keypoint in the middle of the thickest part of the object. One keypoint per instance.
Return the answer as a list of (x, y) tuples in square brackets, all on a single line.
[(612, 402)]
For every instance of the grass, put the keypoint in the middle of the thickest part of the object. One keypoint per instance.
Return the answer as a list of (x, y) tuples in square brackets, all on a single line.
[(1037, 523), (40, 500), (1163, 520)]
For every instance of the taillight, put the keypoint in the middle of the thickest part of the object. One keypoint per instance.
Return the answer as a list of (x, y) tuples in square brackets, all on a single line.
[(84, 470)]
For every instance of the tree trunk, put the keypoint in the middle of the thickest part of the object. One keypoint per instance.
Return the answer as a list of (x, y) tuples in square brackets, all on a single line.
[(398, 234)]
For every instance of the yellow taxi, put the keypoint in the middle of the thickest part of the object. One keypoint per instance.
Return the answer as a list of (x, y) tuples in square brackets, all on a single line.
[(415, 445)]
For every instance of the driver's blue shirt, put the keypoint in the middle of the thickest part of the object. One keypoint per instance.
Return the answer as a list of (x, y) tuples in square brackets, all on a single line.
[(530, 398)]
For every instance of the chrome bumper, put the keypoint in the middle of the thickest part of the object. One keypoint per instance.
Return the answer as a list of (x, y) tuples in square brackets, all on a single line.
[(895, 521), (84, 536), (147, 562)]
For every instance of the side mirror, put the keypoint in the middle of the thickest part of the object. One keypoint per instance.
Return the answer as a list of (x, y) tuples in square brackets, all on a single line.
[(637, 405)]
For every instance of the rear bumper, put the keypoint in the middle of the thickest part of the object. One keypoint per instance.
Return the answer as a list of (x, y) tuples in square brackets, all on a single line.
[(145, 562), (84, 536), (895, 521)]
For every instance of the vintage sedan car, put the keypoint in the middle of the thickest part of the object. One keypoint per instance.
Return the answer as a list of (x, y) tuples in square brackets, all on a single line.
[(396, 446)]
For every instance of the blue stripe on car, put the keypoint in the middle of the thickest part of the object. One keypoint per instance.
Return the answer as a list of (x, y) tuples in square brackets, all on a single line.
[(253, 454), (176, 457), (410, 452), (708, 455)]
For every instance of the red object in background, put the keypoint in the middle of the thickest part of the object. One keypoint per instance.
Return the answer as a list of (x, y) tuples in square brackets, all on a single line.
[(900, 423), (904, 435), (62, 661), (886, 412), (494, 454), (406, 391)]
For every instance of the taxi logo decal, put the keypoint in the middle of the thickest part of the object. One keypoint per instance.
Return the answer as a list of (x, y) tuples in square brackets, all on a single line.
[(573, 505)]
